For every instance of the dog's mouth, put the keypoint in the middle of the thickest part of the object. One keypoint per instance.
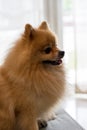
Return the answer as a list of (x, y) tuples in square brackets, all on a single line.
[(54, 62), (57, 61)]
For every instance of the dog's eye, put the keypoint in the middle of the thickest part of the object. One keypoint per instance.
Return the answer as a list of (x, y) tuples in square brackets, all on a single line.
[(48, 50)]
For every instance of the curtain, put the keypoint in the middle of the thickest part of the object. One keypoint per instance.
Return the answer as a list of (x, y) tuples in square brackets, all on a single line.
[(53, 14), (14, 14)]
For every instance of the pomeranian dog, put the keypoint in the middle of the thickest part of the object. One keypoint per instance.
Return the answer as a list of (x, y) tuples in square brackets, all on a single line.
[(32, 79)]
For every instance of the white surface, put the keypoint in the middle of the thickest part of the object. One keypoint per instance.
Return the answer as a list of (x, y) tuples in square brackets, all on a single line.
[(77, 109)]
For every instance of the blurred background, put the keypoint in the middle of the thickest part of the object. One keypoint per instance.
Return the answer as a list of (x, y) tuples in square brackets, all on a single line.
[(68, 19)]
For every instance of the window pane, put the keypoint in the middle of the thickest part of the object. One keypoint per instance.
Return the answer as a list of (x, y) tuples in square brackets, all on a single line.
[(68, 39), (81, 44), (75, 42)]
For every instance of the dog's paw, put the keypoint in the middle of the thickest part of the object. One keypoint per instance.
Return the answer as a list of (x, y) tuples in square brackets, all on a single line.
[(49, 116), (42, 124), (52, 116)]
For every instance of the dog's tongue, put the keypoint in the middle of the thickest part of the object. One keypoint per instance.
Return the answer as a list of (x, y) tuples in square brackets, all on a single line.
[(59, 61)]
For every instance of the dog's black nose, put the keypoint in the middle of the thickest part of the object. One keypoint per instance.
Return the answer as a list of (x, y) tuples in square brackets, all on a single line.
[(61, 54)]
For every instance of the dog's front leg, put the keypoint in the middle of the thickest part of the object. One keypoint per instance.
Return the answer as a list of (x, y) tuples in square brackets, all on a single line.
[(26, 121)]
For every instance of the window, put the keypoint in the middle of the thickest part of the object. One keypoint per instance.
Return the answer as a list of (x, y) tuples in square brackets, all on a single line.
[(75, 41)]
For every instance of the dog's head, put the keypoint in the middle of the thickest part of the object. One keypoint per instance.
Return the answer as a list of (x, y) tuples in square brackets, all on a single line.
[(42, 45)]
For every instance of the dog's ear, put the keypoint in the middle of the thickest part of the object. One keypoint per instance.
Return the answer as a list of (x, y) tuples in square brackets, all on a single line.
[(44, 25), (29, 31)]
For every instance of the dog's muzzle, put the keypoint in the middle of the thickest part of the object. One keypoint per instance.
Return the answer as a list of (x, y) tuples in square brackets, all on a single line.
[(57, 61)]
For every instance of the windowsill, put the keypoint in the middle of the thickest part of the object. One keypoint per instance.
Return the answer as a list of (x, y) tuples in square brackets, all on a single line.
[(81, 96)]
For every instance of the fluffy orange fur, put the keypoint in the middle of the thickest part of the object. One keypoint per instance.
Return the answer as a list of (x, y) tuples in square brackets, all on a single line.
[(28, 87)]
